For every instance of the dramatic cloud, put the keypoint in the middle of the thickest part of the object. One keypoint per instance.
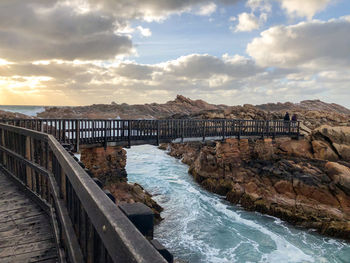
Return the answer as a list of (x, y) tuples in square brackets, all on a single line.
[(33, 30), (314, 44), (187, 74), (52, 51)]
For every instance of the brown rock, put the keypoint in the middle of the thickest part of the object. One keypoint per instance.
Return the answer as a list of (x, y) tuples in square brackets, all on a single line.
[(323, 150), (339, 135), (340, 175), (343, 150), (297, 148), (264, 149)]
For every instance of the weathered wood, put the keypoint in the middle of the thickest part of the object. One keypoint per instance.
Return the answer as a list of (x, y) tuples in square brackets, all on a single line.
[(92, 132), (89, 224), (25, 234)]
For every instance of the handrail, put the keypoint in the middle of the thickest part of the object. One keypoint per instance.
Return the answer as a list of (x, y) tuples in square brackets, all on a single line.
[(102, 131), (91, 227)]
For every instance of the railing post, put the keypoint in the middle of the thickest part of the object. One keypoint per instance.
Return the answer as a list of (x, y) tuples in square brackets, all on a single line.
[(29, 158), (3, 144), (223, 129), (298, 131), (77, 135), (105, 137), (288, 127), (158, 132), (267, 129), (239, 129), (203, 131), (129, 133), (183, 131)]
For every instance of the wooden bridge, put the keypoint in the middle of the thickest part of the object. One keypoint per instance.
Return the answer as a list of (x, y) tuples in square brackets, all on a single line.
[(51, 210), (135, 132)]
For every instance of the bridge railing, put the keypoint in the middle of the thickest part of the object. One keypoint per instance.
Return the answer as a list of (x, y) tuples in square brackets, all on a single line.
[(84, 131), (89, 227)]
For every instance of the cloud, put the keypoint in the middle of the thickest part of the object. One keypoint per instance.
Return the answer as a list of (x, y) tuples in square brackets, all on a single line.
[(207, 10), (35, 30), (146, 32), (259, 5), (249, 22), (312, 44), (155, 10), (195, 72), (304, 8)]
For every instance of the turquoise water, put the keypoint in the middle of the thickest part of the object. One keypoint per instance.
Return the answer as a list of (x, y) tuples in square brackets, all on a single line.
[(199, 226)]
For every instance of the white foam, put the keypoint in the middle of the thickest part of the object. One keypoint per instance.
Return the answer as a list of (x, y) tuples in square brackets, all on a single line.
[(193, 215)]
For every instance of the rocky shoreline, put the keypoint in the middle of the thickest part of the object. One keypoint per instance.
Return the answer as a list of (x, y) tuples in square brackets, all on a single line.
[(108, 165), (305, 182)]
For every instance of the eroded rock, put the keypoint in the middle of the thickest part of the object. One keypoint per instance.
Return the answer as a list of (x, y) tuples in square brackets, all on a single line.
[(281, 178)]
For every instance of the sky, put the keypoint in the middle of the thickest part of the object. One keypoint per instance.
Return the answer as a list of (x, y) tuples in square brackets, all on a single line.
[(81, 52)]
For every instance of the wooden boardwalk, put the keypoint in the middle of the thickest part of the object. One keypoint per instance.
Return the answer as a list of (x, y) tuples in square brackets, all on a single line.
[(88, 132), (25, 231)]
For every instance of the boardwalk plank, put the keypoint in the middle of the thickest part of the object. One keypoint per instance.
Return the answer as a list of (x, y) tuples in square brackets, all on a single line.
[(25, 231)]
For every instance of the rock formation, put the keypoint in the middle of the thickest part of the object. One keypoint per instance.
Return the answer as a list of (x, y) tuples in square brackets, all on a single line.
[(11, 115), (180, 105), (108, 165), (312, 113), (301, 181)]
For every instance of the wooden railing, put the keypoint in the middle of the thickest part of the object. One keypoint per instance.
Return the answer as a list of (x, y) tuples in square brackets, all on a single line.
[(89, 227), (130, 132)]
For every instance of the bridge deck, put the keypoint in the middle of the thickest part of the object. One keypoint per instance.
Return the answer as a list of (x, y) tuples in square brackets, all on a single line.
[(25, 231)]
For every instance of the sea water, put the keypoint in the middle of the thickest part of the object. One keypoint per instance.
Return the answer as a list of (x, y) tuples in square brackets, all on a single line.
[(200, 226)]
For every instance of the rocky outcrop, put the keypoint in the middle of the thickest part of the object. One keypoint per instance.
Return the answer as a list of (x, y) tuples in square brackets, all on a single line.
[(12, 115), (308, 105), (108, 165), (180, 105), (336, 139), (278, 177), (312, 113)]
